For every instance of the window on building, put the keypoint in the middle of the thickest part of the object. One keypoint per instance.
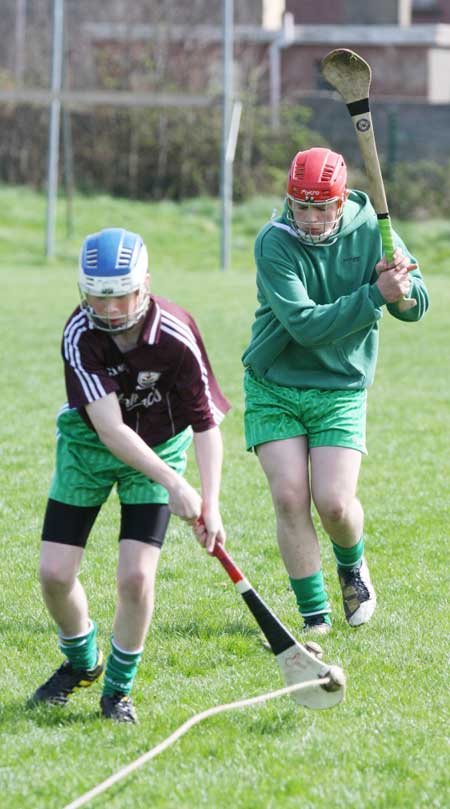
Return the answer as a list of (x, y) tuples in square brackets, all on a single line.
[(425, 6)]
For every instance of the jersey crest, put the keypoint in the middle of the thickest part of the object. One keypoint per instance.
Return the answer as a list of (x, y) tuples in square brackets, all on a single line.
[(146, 379)]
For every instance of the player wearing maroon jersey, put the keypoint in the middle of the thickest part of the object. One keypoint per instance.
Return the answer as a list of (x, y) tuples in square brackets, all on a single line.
[(139, 386)]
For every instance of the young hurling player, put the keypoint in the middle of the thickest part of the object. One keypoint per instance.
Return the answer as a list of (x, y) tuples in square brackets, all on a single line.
[(322, 286), (139, 385)]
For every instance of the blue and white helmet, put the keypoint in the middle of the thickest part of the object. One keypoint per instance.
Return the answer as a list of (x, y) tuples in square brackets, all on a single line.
[(113, 263)]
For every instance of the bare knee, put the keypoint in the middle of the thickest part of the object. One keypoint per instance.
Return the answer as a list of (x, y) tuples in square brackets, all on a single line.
[(56, 578), (333, 509), (136, 586), (290, 500)]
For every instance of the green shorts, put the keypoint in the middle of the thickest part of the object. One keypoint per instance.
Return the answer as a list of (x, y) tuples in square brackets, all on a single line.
[(329, 418), (86, 470)]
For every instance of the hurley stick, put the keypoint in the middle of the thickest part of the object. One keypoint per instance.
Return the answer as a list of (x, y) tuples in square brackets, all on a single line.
[(296, 662), (351, 75)]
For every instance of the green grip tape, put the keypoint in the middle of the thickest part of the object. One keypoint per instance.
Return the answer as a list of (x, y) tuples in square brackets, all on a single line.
[(387, 237)]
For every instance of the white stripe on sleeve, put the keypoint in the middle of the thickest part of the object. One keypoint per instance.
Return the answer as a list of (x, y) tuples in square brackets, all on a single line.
[(154, 328), (90, 383), (172, 325)]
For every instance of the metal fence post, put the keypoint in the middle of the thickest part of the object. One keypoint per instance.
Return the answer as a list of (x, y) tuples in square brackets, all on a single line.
[(226, 165), (55, 113)]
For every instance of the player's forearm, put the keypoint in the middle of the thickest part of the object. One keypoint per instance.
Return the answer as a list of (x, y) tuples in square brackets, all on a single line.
[(318, 325), (314, 325), (129, 447), (209, 456)]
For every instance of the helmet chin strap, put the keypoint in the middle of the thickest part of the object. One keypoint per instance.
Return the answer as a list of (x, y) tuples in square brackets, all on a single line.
[(331, 239)]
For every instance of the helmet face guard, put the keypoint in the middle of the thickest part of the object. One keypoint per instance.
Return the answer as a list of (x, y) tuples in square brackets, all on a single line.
[(318, 229), (114, 264), (113, 324), (317, 190)]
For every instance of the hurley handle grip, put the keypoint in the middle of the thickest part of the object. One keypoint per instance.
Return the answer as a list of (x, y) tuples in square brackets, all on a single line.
[(387, 241), (387, 237)]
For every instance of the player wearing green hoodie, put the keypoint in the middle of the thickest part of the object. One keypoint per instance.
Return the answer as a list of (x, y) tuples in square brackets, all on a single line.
[(322, 286)]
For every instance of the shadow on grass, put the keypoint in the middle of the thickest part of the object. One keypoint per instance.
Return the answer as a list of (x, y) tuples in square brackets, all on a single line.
[(199, 629), (45, 715)]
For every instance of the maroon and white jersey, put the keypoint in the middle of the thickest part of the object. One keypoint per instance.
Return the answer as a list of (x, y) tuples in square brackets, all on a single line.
[(164, 384)]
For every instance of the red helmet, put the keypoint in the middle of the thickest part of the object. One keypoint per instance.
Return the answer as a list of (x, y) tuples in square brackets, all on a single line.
[(317, 175)]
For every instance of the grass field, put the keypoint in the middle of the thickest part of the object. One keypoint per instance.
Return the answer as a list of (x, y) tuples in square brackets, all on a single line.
[(387, 745)]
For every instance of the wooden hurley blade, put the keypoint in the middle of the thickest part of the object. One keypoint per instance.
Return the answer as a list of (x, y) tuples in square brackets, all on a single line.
[(297, 665), (351, 76), (348, 73)]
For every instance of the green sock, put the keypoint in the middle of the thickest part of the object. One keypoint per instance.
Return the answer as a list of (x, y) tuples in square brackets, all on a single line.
[(311, 596), (121, 670), (349, 557), (81, 650)]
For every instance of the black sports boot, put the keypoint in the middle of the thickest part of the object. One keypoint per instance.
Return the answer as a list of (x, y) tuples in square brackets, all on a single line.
[(65, 680), (317, 624), (358, 594), (118, 707)]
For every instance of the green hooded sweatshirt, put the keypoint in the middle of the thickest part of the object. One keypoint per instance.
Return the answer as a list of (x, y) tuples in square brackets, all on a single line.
[(317, 321)]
